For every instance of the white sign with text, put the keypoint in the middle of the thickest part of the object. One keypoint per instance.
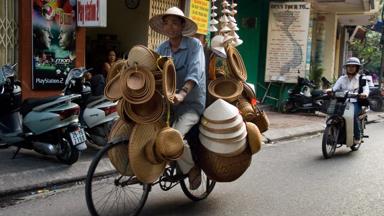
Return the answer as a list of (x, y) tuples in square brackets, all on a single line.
[(92, 13)]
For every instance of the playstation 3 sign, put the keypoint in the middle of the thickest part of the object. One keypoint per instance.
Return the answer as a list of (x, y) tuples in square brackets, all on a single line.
[(92, 13)]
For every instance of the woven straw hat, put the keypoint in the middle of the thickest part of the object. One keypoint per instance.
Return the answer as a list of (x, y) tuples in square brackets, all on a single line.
[(148, 112), (156, 22), (133, 78), (169, 144), (226, 89), (246, 109), (121, 111), (220, 168), (112, 90), (236, 63), (119, 154), (220, 112), (226, 149), (117, 67), (255, 138), (142, 56), (168, 79), (141, 140)]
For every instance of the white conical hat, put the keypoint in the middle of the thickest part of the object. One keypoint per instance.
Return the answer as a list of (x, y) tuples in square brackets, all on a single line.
[(233, 5), (224, 19), (213, 22), (232, 25), (225, 3), (220, 110), (234, 34), (225, 149), (212, 28), (225, 28), (213, 7), (232, 19), (225, 136), (233, 12), (225, 11), (217, 46), (215, 126), (237, 42), (228, 37), (213, 14)]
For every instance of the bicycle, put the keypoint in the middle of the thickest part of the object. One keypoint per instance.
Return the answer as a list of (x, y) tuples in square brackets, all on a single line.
[(131, 194)]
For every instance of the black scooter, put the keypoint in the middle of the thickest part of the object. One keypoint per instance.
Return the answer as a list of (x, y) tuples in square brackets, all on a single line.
[(304, 97)]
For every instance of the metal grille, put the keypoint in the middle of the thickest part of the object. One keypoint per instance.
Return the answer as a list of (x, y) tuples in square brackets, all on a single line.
[(158, 7), (8, 31)]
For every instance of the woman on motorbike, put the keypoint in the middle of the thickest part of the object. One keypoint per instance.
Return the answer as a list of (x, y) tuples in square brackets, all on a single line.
[(350, 82)]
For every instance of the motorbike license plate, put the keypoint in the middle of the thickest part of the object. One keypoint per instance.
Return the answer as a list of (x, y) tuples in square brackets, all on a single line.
[(78, 136)]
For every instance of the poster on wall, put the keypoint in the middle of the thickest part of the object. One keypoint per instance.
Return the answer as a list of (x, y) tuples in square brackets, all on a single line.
[(199, 12), (92, 13), (54, 39), (287, 41)]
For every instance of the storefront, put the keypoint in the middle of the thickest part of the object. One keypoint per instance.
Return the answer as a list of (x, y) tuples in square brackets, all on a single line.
[(43, 70)]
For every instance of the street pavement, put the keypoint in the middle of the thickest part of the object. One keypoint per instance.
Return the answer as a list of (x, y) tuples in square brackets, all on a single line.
[(32, 171), (288, 178)]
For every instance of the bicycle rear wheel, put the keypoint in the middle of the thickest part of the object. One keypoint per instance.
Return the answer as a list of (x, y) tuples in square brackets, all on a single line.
[(109, 193), (330, 138), (200, 193)]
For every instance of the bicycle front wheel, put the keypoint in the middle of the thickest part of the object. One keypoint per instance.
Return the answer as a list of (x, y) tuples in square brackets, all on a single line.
[(109, 193), (330, 138), (200, 193)]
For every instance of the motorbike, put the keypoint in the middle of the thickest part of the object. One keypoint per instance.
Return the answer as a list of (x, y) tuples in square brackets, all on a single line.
[(49, 126), (339, 124), (97, 113), (303, 97)]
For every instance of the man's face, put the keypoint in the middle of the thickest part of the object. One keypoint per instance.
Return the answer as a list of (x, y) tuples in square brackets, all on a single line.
[(46, 37), (65, 38), (173, 26), (352, 69)]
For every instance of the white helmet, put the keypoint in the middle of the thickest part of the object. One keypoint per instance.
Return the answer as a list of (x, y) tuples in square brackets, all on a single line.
[(353, 61)]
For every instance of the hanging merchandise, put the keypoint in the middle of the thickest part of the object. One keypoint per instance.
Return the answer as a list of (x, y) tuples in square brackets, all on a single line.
[(213, 22)]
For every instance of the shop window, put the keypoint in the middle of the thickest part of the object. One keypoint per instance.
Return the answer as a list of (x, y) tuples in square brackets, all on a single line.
[(8, 31)]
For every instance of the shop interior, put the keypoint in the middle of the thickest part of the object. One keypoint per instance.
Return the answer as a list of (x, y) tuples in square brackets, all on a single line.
[(126, 27)]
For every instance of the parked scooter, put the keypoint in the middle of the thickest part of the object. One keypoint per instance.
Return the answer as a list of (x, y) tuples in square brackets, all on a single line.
[(48, 125), (339, 129), (303, 97), (97, 112)]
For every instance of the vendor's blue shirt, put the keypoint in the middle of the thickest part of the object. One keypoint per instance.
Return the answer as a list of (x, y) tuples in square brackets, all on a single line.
[(189, 61)]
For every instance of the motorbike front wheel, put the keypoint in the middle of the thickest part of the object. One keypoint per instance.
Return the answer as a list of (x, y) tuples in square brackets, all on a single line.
[(69, 154), (330, 138)]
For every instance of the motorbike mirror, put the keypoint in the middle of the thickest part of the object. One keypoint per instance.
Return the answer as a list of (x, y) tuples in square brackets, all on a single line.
[(363, 82)]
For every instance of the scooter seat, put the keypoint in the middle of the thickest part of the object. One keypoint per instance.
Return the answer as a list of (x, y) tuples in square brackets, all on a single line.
[(94, 98), (317, 93), (30, 103)]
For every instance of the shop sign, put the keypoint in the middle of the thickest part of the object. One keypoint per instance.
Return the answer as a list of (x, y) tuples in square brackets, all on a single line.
[(287, 41), (53, 42), (199, 12), (92, 13)]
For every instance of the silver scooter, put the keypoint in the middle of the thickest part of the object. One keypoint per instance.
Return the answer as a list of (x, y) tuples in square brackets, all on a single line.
[(49, 126), (97, 112)]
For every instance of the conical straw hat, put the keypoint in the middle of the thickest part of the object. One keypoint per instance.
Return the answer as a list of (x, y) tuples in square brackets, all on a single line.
[(225, 149), (217, 46), (118, 155), (220, 111), (228, 135), (212, 28), (141, 136), (255, 139), (229, 125), (142, 56)]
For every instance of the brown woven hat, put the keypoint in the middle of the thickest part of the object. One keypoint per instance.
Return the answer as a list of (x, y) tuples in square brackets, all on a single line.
[(119, 154), (255, 139), (117, 67), (148, 112), (226, 89), (112, 90), (132, 87), (220, 168), (169, 80), (248, 92), (236, 63), (246, 109), (142, 135), (169, 144), (142, 56), (121, 111)]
